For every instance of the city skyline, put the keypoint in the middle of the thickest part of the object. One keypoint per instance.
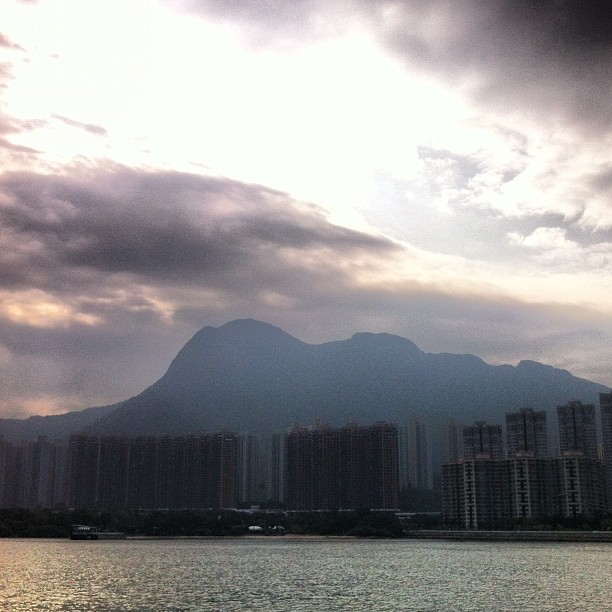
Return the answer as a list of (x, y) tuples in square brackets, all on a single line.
[(326, 468), (436, 170)]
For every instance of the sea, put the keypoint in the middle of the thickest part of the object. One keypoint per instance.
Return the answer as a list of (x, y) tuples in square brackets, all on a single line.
[(288, 574)]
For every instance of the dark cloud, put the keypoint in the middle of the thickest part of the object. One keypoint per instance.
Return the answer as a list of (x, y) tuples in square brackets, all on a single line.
[(562, 27), (88, 127), (549, 58), (552, 59), (163, 227), (114, 247)]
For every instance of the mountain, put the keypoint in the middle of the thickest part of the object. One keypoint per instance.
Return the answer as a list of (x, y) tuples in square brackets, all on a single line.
[(252, 376)]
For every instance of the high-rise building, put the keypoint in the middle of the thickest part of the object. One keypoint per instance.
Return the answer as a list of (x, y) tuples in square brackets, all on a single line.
[(419, 463), (342, 468), (577, 430), (83, 461), (532, 490), (414, 458), (248, 468), (276, 467), (113, 472), (526, 433), (149, 473), (605, 404), (481, 490), (403, 456), (475, 493), (482, 493), (453, 442), (580, 483), (300, 469), (261, 468), (6, 450), (143, 473), (383, 455), (482, 440)]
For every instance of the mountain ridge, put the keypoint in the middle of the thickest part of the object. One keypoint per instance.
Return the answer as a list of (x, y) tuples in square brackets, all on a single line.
[(248, 375)]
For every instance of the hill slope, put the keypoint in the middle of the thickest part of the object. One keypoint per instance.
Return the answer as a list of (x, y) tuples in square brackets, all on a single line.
[(252, 376)]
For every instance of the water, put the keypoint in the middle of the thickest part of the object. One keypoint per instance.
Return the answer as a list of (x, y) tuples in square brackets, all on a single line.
[(275, 574)]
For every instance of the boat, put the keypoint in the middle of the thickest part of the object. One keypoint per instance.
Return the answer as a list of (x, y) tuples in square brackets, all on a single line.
[(88, 532)]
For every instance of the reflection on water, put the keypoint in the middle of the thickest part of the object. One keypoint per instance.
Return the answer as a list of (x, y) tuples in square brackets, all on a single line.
[(281, 574)]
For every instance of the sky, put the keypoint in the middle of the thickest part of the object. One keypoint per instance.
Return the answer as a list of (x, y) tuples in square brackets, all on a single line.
[(436, 169)]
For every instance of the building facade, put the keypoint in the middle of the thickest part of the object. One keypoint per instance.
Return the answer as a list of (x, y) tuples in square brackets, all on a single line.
[(484, 489), (577, 429), (482, 440), (526, 433), (605, 405), (343, 468), (167, 472)]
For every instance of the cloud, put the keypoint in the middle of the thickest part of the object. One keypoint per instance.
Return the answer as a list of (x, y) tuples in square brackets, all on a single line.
[(482, 149), (110, 273), (74, 251), (546, 59), (9, 44), (88, 127), (6, 144), (544, 237), (162, 225)]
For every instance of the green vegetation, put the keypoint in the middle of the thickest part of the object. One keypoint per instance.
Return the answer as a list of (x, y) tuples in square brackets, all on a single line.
[(23, 523), (182, 523)]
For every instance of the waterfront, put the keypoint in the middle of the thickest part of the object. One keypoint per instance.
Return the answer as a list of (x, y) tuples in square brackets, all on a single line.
[(282, 574)]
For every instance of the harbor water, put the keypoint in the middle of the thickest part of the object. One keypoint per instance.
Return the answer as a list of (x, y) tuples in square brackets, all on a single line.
[(285, 574)]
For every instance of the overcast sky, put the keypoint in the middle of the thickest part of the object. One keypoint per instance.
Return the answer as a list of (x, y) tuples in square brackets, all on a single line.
[(441, 170)]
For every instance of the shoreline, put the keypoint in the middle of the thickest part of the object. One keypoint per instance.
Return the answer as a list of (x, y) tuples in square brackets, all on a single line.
[(511, 536)]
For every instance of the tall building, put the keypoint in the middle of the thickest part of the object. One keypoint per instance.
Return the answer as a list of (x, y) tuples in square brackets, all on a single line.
[(414, 458), (453, 442), (526, 433), (342, 468), (143, 473), (483, 490), (248, 468), (419, 463), (580, 483), (403, 457), (153, 473), (83, 462), (605, 404), (275, 457), (6, 451), (113, 472), (261, 468), (483, 493), (482, 440), (577, 430), (383, 454), (300, 469), (532, 490), (475, 493)]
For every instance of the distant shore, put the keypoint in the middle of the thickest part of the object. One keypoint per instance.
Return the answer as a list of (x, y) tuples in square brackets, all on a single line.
[(459, 535), (511, 536), (293, 537)]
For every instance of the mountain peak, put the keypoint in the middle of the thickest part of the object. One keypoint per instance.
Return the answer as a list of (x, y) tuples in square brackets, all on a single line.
[(248, 375), (385, 342)]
